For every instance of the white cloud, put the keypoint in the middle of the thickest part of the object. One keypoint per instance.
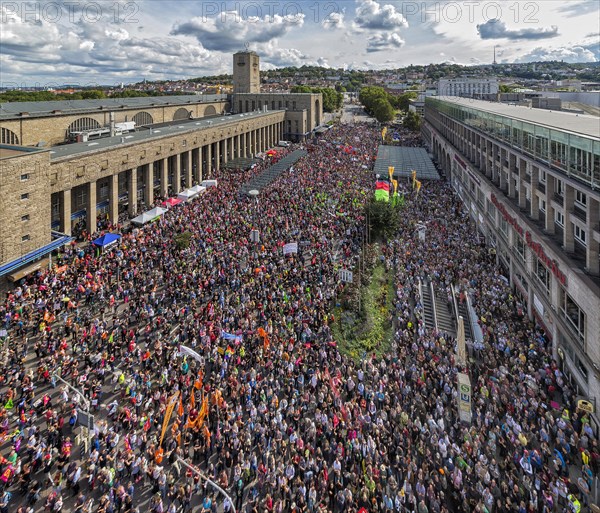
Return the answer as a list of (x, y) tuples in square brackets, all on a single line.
[(371, 15), (385, 41), (569, 54), (335, 20), (230, 31)]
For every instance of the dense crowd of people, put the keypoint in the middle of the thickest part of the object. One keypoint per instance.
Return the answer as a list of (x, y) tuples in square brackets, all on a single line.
[(230, 341)]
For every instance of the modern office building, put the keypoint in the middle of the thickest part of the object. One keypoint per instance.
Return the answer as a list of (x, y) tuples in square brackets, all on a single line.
[(486, 88), (47, 187), (530, 179)]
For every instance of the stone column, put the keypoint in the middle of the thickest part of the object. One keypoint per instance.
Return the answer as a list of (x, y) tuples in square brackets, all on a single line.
[(177, 174), (522, 170), (132, 192), (535, 202), (113, 198), (225, 149), (549, 209), (164, 177), (569, 199), (591, 254), (196, 166), (246, 144), (149, 185), (188, 169), (91, 207), (218, 150), (65, 213), (239, 146), (209, 166)]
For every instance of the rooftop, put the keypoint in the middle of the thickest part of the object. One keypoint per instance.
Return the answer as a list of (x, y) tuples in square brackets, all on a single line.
[(581, 124), (405, 159), (7, 151), (70, 150), (11, 110)]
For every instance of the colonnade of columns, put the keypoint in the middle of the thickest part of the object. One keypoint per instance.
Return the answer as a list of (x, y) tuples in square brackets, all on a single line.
[(163, 177)]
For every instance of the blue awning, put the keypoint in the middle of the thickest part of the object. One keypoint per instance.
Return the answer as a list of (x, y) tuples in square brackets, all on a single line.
[(106, 240), (34, 255), (79, 214)]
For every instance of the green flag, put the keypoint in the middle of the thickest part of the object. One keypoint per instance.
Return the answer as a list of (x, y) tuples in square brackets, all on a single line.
[(9, 404)]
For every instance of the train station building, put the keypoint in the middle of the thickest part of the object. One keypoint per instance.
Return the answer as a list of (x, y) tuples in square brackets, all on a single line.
[(48, 185)]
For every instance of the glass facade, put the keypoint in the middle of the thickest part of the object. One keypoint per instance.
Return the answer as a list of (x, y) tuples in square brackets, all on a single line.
[(576, 155)]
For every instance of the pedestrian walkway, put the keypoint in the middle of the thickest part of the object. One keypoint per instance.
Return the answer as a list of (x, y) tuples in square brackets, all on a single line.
[(269, 175)]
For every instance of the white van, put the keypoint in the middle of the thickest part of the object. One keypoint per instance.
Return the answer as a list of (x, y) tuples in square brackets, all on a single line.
[(284, 144)]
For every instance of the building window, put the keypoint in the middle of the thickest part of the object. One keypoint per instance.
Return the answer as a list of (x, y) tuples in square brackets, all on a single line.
[(491, 209), (503, 226), (25, 196), (574, 315), (104, 190), (580, 235), (580, 199), (81, 196), (543, 205), (543, 275), (25, 238), (25, 217), (558, 187), (559, 218), (24, 176), (520, 247)]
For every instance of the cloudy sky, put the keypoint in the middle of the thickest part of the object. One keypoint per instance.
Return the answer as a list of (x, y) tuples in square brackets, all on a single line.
[(53, 42)]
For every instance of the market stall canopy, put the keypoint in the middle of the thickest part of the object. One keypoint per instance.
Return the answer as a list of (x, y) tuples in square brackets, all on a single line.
[(209, 183), (106, 240), (149, 216), (171, 202), (187, 195), (198, 189)]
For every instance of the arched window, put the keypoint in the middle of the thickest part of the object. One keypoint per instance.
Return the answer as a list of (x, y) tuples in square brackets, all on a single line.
[(82, 124), (210, 111), (9, 137), (143, 118), (181, 114)]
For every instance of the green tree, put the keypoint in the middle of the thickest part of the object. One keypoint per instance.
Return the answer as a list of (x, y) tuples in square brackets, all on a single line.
[(404, 100), (369, 95), (384, 218), (92, 94), (382, 110), (301, 89), (182, 240), (412, 121)]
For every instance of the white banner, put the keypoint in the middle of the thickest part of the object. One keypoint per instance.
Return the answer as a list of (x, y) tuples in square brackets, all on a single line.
[(190, 352), (291, 247)]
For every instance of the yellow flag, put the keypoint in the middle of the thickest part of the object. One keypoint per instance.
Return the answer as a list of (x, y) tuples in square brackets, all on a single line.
[(395, 182), (391, 172), (168, 413)]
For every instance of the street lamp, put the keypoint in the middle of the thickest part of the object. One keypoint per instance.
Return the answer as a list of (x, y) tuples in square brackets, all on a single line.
[(85, 401), (197, 471)]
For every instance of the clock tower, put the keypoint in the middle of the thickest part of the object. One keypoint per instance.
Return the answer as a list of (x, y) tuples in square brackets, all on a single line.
[(246, 72)]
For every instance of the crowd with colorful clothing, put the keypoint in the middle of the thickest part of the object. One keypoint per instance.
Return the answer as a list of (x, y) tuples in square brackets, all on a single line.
[(221, 355)]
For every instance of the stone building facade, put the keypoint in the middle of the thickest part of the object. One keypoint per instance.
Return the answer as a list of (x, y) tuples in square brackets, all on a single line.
[(44, 189), (49, 123)]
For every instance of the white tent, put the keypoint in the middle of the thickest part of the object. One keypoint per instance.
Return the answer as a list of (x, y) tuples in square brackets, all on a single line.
[(187, 195), (209, 183), (198, 189), (149, 216)]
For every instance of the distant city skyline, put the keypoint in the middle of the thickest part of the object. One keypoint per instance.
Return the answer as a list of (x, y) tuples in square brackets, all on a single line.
[(48, 43)]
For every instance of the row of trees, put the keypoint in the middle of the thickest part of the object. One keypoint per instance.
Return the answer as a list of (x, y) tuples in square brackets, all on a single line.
[(382, 105), (90, 94), (332, 99)]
